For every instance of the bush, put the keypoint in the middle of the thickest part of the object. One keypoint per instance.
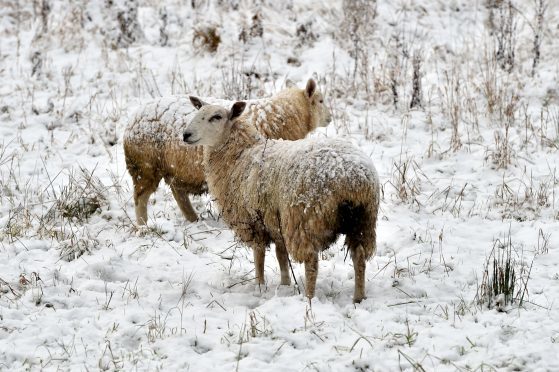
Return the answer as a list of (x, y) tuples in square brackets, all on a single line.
[(206, 38)]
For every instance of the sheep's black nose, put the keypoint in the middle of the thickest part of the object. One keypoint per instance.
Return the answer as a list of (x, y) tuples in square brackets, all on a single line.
[(186, 136)]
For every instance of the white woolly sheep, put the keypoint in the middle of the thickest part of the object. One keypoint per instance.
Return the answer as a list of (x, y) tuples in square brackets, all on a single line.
[(154, 149), (301, 195)]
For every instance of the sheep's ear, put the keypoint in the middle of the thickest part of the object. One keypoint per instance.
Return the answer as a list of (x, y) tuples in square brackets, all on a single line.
[(311, 87), (197, 102), (237, 110)]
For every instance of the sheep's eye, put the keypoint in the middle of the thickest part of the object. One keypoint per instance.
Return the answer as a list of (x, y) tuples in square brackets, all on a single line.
[(215, 117), (321, 101)]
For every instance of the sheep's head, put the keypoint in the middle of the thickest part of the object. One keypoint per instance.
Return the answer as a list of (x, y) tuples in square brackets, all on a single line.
[(212, 123), (320, 114)]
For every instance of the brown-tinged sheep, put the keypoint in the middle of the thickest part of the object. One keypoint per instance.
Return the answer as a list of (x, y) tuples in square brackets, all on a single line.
[(301, 195), (154, 149)]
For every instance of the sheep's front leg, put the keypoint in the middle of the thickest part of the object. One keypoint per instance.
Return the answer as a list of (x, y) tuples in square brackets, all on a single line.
[(259, 256), (181, 196), (283, 260), (359, 263), (311, 271)]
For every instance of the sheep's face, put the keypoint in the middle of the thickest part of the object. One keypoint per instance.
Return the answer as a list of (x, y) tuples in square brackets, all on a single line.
[(212, 123), (320, 113)]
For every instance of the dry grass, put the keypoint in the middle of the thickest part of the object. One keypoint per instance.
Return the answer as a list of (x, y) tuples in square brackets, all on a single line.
[(505, 276), (405, 180)]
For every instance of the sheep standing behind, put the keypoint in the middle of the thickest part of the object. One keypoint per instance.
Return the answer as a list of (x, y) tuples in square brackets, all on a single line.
[(154, 150), (301, 195)]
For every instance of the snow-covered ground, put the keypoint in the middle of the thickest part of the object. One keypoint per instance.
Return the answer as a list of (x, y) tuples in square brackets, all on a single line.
[(471, 171)]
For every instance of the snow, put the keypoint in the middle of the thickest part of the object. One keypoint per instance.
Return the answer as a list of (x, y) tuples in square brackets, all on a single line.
[(85, 289)]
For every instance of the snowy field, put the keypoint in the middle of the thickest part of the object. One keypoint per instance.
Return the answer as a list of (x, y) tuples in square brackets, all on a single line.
[(469, 183)]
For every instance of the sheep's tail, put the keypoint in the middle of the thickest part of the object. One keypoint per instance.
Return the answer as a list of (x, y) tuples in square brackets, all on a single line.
[(358, 223)]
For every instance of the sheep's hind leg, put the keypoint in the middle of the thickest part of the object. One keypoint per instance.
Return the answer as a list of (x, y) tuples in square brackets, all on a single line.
[(311, 271), (359, 263), (142, 192), (181, 197), (259, 256), (283, 260)]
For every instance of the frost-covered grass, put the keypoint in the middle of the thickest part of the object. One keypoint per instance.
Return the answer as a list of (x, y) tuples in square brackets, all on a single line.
[(469, 174)]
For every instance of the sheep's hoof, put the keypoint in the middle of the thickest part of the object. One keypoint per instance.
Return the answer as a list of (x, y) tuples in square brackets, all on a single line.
[(357, 300), (192, 219), (142, 230), (259, 288), (284, 291), (310, 301), (285, 282)]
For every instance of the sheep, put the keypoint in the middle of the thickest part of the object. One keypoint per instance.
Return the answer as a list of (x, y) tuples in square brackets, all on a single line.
[(300, 195), (153, 148)]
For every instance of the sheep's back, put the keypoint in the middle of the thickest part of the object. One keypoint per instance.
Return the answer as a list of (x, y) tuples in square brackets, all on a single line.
[(162, 120), (284, 116), (310, 170)]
